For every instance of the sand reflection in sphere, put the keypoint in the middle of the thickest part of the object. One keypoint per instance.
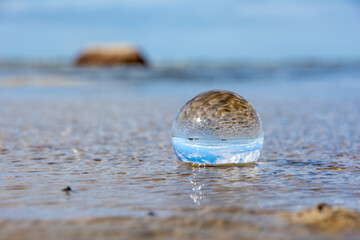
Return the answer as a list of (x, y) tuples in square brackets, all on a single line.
[(217, 127)]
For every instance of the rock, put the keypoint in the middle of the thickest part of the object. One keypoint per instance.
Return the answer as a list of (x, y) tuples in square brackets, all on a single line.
[(67, 189), (327, 218), (110, 55), (151, 213)]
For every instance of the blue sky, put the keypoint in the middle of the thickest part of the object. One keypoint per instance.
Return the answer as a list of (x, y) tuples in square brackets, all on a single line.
[(183, 29)]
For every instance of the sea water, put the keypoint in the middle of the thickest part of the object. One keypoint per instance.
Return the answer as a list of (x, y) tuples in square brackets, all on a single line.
[(217, 151)]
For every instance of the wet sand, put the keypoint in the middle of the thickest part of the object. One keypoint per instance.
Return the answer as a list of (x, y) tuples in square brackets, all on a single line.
[(108, 138), (205, 223)]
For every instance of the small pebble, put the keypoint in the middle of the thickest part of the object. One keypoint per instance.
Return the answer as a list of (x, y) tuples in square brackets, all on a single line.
[(67, 189), (322, 206), (151, 213)]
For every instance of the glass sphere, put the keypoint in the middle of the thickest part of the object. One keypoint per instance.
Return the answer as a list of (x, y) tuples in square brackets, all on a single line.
[(217, 127)]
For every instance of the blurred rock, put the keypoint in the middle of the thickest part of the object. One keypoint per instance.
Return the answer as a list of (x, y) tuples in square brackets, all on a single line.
[(110, 55), (327, 218)]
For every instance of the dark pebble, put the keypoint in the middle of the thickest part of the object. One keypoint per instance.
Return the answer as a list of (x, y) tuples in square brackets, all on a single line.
[(67, 189), (321, 206)]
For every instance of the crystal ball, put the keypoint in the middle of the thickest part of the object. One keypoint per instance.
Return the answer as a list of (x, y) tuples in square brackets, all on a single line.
[(217, 127)]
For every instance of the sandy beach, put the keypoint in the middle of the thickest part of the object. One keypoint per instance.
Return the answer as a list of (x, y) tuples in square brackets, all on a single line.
[(103, 102), (106, 133)]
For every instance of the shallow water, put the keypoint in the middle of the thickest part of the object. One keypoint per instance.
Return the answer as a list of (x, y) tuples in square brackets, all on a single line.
[(107, 134)]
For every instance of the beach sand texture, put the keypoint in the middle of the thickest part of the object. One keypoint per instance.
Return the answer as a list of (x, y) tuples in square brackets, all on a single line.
[(106, 133)]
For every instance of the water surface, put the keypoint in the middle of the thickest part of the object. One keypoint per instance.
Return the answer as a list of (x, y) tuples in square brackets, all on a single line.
[(107, 134)]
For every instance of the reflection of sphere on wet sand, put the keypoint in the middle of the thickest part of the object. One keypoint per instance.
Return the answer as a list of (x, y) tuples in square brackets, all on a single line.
[(222, 178)]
